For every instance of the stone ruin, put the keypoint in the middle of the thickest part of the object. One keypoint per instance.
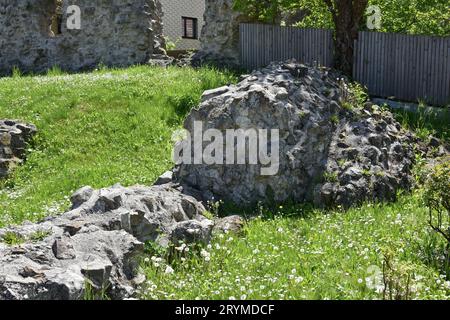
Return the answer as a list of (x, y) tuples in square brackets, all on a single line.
[(14, 137), (34, 36), (220, 35), (99, 242), (330, 151)]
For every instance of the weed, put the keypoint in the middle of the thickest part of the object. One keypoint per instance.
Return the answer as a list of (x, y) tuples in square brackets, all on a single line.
[(12, 239), (39, 235)]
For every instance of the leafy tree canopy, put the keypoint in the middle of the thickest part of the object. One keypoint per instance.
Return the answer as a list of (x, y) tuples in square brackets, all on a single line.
[(429, 17)]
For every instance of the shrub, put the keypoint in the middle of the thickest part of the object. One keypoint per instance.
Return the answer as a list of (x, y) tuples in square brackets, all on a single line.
[(397, 278), (353, 95), (437, 199)]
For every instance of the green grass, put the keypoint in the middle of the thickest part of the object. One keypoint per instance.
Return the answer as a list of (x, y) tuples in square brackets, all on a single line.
[(114, 126), (309, 254), (12, 239), (425, 123), (95, 129)]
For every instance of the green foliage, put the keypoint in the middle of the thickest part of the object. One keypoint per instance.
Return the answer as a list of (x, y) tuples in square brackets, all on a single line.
[(426, 123), (55, 71), (91, 293), (427, 17), (334, 119), (39, 235), (16, 73), (12, 239), (397, 277), (318, 15), (171, 44), (215, 207), (437, 199), (263, 10), (353, 94), (437, 195), (330, 177)]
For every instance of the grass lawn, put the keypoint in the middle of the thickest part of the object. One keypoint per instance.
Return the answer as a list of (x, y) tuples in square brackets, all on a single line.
[(95, 129), (114, 126)]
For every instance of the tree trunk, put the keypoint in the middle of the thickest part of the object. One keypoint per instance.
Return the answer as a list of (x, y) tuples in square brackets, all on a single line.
[(347, 16)]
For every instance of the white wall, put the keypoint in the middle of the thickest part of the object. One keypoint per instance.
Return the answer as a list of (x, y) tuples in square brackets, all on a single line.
[(172, 22)]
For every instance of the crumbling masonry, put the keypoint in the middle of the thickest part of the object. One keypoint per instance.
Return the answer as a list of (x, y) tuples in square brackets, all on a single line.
[(34, 36)]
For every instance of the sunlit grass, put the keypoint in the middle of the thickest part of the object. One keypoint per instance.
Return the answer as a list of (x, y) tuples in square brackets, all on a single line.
[(96, 129), (309, 254), (113, 126)]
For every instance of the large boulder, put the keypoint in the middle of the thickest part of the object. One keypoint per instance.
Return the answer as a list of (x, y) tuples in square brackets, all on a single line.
[(330, 151), (14, 137), (99, 242)]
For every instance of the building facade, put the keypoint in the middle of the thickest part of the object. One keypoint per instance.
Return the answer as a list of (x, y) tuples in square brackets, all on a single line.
[(182, 23)]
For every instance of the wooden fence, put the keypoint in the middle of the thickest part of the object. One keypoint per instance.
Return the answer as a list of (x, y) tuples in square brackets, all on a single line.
[(261, 44), (403, 66), (400, 66)]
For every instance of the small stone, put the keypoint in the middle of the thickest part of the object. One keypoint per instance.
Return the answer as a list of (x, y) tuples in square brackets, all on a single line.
[(98, 272), (63, 249), (165, 178), (29, 272), (14, 136), (434, 142), (81, 196), (209, 94), (73, 227), (192, 232), (234, 224)]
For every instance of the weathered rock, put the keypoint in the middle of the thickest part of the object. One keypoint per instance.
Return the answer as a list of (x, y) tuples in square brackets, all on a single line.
[(98, 242), (329, 153), (192, 232), (165, 178), (81, 196), (433, 148), (14, 137), (233, 224), (220, 35), (114, 33)]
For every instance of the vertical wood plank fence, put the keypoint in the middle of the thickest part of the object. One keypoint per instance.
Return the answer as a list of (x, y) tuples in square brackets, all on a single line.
[(261, 44), (400, 66), (405, 67)]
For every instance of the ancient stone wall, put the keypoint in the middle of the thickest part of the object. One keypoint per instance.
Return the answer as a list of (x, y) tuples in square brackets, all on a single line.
[(115, 33), (220, 34)]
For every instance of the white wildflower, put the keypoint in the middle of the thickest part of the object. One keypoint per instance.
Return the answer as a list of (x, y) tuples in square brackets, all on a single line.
[(169, 270)]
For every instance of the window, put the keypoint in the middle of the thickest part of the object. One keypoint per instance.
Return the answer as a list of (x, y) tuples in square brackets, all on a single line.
[(190, 28)]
